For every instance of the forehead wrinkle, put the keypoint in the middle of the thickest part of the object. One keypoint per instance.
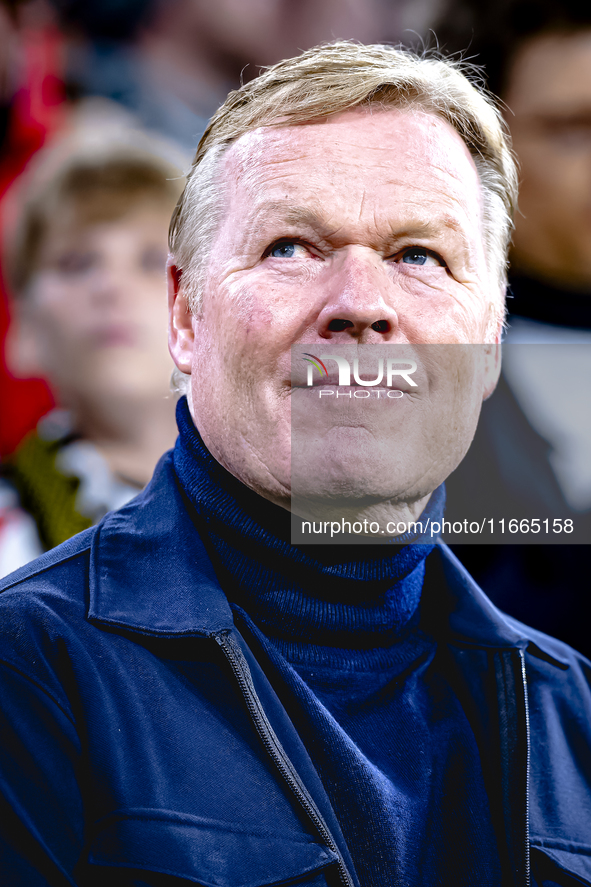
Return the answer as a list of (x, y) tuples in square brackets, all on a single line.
[(291, 213), (250, 163), (313, 215), (251, 160), (274, 218), (387, 232), (430, 227)]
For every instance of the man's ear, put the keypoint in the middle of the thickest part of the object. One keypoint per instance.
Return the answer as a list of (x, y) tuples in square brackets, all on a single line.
[(492, 367), (492, 350), (181, 335)]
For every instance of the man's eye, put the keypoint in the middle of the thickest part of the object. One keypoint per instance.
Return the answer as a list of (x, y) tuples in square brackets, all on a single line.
[(417, 255), (289, 249)]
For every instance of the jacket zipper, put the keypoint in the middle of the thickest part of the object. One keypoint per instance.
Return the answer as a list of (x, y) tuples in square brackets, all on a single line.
[(241, 671), (515, 740), (268, 737), (527, 764)]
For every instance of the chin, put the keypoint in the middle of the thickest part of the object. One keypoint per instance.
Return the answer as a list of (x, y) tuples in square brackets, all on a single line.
[(354, 489)]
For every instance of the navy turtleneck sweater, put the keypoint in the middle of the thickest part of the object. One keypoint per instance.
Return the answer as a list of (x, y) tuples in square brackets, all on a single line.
[(359, 679)]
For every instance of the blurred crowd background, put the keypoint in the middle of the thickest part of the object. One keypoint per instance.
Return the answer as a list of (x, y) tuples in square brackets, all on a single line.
[(102, 104)]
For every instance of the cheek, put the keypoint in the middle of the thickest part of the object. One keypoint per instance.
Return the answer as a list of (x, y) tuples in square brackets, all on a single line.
[(277, 294), (442, 310), (57, 328), (244, 324), (57, 305), (456, 374)]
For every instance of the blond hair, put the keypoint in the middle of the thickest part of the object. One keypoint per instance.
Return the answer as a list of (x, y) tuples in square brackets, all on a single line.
[(98, 183), (330, 79)]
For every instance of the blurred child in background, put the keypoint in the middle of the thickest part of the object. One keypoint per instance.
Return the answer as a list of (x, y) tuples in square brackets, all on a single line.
[(86, 269)]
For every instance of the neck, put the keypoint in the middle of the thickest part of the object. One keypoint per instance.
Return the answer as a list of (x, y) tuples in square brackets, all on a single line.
[(347, 595)]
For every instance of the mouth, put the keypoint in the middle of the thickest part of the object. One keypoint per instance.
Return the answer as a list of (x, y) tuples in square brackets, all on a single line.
[(358, 370), (332, 382)]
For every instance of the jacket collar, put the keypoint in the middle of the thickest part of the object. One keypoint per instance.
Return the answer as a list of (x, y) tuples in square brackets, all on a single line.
[(150, 574), (149, 570)]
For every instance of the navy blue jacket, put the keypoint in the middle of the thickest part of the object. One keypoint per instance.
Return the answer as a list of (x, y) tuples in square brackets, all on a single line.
[(142, 741)]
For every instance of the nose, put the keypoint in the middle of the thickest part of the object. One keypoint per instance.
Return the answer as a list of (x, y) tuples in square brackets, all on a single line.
[(359, 301)]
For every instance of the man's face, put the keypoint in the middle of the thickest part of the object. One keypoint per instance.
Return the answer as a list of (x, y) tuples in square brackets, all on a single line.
[(549, 100), (93, 317), (361, 229)]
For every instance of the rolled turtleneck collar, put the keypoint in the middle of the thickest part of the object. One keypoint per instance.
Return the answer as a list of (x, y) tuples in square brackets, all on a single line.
[(355, 597)]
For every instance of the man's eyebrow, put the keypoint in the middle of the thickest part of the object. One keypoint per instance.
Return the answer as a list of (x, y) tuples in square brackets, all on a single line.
[(285, 212), (429, 227), (292, 214)]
